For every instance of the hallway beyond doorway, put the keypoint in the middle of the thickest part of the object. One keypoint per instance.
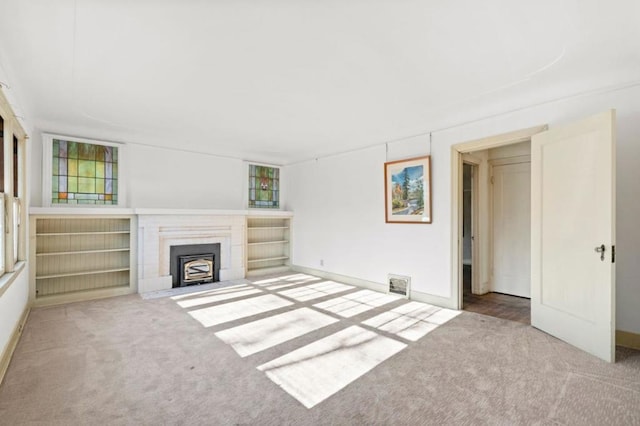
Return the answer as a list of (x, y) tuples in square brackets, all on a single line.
[(497, 305)]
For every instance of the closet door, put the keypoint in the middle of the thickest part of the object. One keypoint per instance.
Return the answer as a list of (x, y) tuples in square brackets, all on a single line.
[(512, 229)]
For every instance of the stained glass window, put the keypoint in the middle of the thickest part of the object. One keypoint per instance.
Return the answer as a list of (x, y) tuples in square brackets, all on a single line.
[(264, 187), (84, 173)]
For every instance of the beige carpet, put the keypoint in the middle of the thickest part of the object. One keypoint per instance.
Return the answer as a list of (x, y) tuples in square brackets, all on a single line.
[(300, 350)]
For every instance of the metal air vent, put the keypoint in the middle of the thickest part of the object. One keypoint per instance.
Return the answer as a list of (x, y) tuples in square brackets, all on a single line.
[(399, 284)]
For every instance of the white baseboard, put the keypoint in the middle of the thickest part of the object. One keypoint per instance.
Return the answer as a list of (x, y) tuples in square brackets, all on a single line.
[(5, 357), (431, 299), (340, 278), (442, 302), (81, 296)]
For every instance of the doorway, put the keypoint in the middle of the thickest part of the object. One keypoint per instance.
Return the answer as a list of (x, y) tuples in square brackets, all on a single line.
[(494, 229), (572, 283)]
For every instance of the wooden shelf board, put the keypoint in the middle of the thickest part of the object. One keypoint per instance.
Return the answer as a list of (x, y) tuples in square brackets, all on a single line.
[(267, 227), (77, 274), (267, 270), (266, 259), (78, 295), (62, 253), (268, 242), (50, 234)]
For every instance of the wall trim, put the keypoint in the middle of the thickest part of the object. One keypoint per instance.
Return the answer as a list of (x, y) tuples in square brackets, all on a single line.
[(345, 279), (83, 296), (442, 302), (5, 359), (431, 299), (9, 277), (628, 339)]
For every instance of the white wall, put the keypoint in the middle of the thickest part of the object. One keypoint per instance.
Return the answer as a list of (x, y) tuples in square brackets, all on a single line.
[(164, 178), (161, 178), (339, 203), (12, 304)]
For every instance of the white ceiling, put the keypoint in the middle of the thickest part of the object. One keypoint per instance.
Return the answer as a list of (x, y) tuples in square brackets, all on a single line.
[(281, 81)]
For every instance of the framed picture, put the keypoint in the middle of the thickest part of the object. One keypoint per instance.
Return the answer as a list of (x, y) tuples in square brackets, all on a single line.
[(407, 189)]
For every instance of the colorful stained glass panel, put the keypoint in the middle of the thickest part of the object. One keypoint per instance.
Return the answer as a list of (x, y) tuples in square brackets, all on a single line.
[(264, 187), (84, 173)]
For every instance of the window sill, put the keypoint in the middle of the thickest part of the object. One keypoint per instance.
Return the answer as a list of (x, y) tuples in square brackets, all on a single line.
[(9, 277)]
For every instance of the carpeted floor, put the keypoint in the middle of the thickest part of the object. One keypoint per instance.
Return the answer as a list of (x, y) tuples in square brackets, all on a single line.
[(260, 352)]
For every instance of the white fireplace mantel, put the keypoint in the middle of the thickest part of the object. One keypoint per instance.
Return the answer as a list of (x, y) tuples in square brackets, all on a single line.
[(105, 211), (158, 230)]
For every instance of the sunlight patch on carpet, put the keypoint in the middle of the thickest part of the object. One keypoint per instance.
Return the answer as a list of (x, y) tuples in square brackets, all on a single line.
[(281, 286), (314, 372), (216, 297), (356, 303), (232, 311), (221, 290), (256, 336), (315, 291), (412, 321)]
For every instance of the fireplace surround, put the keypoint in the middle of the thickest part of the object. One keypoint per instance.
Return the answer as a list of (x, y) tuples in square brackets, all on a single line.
[(159, 229)]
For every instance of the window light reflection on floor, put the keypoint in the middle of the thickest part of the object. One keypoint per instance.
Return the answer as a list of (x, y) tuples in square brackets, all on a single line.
[(256, 336), (316, 371), (412, 320), (232, 311), (356, 303), (226, 289), (217, 297), (315, 291)]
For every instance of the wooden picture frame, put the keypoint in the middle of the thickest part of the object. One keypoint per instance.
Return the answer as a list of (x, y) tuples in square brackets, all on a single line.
[(407, 190)]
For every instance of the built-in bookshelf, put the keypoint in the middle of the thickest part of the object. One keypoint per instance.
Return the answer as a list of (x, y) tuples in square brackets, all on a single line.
[(268, 244), (81, 256)]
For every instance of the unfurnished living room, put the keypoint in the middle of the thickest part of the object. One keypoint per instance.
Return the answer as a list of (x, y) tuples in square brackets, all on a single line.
[(307, 213)]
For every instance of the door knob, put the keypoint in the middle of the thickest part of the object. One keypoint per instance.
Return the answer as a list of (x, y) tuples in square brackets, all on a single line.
[(601, 249)]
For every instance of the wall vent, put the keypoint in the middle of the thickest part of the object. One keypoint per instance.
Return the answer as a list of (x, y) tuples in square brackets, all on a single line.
[(399, 284)]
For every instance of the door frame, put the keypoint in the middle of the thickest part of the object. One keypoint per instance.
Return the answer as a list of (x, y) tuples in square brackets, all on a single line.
[(457, 152), (475, 222)]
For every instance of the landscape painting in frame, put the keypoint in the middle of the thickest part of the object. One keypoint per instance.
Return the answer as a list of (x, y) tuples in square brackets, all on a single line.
[(407, 185)]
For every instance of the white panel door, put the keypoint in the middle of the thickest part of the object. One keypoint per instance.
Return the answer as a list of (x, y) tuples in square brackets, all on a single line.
[(572, 216), (512, 229)]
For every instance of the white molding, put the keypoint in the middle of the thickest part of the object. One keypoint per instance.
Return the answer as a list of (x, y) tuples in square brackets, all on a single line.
[(457, 152), (518, 159), (267, 212), (6, 355), (341, 278), (81, 296), (443, 302), (189, 212), (418, 296), (102, 211), (496, 141), (7, 278), (80, 211)]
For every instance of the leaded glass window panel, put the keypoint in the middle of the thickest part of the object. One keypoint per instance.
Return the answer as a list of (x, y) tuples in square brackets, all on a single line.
[(84, 173), (264, 187)]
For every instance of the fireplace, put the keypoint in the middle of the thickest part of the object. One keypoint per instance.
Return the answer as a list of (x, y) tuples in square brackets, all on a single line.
[(196, 269), (194, 264)]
